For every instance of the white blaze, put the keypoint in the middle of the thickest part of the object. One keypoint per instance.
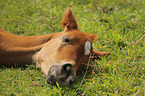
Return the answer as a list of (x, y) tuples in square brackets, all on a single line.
[(87, 47)]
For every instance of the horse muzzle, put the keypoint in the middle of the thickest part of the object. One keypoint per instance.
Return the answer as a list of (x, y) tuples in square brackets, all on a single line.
[(62, 74)]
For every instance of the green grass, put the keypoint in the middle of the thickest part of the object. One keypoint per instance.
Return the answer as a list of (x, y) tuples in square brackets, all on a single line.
[(118, 23)]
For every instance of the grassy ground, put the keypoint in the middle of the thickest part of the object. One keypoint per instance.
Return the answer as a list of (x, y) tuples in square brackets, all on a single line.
[(120, 25)]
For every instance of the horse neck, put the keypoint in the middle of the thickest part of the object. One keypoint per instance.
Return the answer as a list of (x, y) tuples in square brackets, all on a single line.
[(21, 48)]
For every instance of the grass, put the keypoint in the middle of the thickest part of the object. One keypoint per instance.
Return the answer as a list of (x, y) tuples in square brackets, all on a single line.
[(120, 25)]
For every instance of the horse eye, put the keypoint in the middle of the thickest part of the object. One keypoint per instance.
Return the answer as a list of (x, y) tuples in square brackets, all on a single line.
[(65, 39)]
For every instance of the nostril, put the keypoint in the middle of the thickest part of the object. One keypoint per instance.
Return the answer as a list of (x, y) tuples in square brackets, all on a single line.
[(67, 67), (71, 80)]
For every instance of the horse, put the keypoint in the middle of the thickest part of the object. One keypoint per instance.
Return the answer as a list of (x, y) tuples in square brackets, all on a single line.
[(59, 55)]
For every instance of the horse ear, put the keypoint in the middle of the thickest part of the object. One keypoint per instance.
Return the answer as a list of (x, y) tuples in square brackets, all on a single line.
[(92, 37), (99, 54), (68, 21)]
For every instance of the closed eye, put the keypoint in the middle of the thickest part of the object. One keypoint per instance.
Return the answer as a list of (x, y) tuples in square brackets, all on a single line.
[(66, 39)]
